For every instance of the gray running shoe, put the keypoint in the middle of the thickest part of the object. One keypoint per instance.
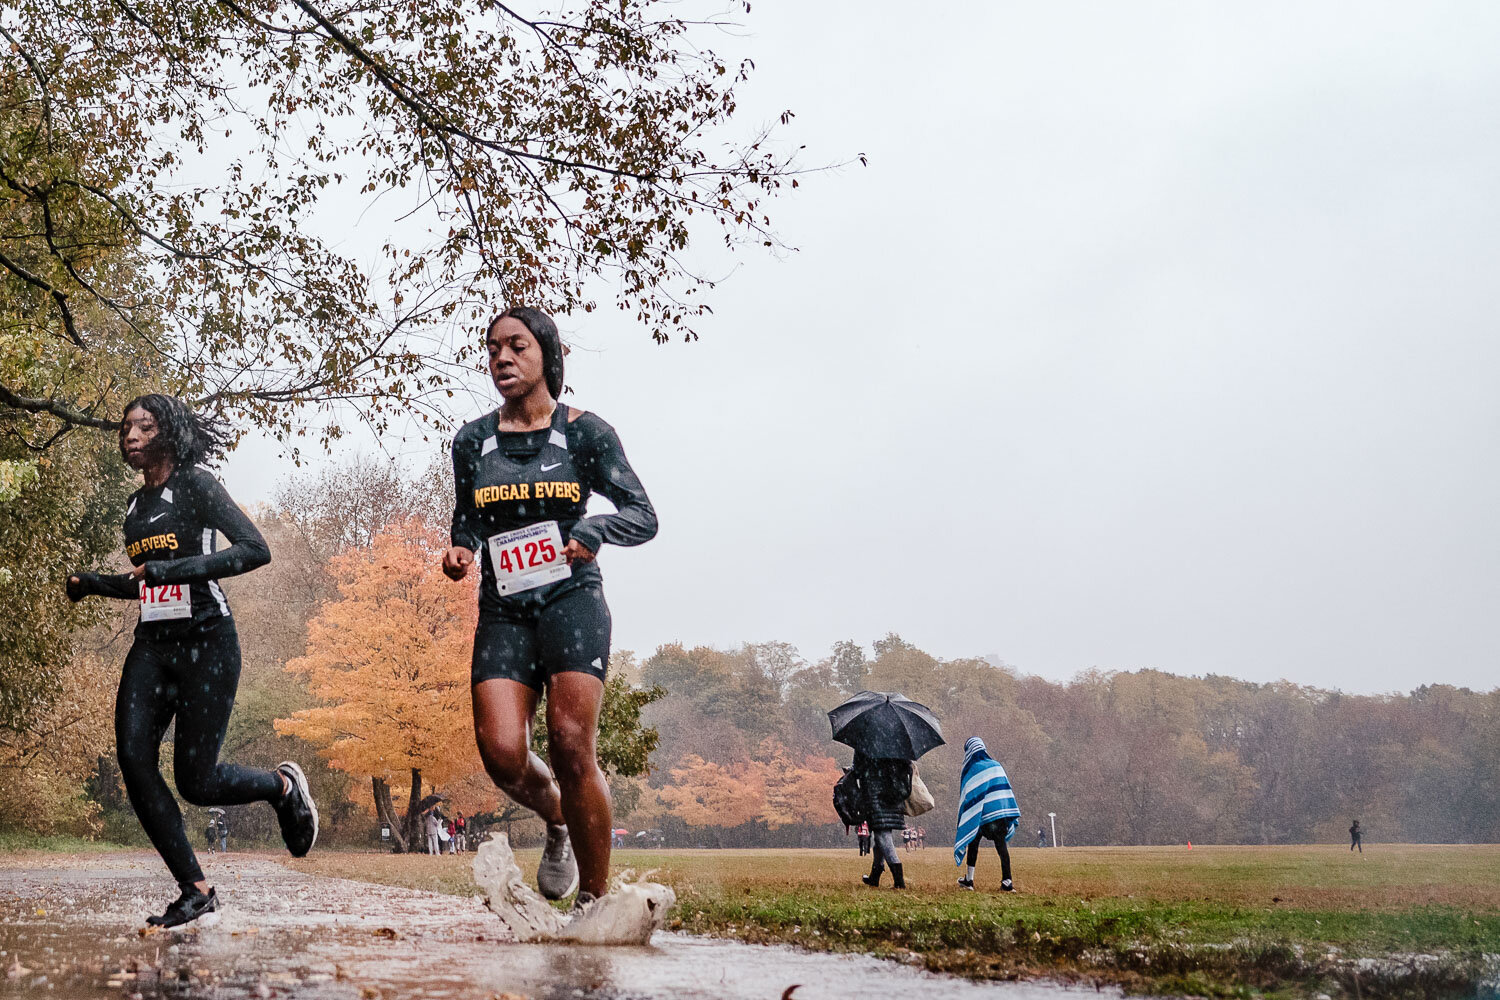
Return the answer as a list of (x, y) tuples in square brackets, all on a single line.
[(296, 812), (557, 875)]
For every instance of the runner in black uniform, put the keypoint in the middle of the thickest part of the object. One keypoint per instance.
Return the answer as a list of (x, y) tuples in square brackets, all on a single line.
[(523, 475), (185, 661)]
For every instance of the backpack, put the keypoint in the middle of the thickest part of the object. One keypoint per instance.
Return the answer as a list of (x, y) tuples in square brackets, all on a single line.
[(847, 801)]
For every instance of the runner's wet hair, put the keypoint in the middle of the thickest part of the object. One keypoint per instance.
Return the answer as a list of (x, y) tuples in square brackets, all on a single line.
[(545, 332), (190, 438)]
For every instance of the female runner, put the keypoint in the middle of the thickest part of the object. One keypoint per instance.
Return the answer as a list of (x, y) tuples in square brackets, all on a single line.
[(523, 474), (185, 661)]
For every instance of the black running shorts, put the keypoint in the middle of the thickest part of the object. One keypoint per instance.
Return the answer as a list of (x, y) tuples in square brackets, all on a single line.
[(535, 635)]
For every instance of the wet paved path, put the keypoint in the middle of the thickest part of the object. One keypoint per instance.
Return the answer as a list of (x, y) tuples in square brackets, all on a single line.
[(69, 928)]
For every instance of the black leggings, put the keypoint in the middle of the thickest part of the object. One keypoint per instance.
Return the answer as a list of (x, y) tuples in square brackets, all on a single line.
[(995, 830), (193, 679)]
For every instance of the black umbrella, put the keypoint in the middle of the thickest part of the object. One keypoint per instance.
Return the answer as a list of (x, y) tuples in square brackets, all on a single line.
[(878, 724)]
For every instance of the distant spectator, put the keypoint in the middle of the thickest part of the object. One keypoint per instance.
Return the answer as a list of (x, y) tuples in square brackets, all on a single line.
[(451, 830), (463, 832), (430, 826), (863, 834), (922, 837), (1356, 838), (1041, 836)]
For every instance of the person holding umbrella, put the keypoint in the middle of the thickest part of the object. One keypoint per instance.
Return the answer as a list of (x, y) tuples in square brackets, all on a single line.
[(888, 732), (884, 785)]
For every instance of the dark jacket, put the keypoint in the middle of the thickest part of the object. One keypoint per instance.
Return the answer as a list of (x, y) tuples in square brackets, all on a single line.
[(884, 786)]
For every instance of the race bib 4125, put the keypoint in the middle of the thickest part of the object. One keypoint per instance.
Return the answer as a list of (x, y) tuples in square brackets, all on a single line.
[(528, 557)]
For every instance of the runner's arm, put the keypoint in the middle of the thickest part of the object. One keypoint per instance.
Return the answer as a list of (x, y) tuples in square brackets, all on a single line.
[(605, 470), (247, 549), (465, 531), (121, 585)]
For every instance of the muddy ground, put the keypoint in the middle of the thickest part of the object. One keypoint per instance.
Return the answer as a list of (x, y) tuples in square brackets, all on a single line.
[(72, 926)]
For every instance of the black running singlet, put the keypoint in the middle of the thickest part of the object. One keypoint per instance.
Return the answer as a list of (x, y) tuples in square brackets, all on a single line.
[(498, 493)]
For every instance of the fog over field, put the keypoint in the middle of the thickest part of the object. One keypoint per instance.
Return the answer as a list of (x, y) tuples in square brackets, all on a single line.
[(1151, 336)]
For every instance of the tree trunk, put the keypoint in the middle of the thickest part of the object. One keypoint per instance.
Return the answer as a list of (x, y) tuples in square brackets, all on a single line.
[(413, 820), (385, 811)]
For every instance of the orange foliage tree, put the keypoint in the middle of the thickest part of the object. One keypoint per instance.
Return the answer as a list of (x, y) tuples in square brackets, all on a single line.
[(797, 793), (777, 789), (389, 657), (703, 793)]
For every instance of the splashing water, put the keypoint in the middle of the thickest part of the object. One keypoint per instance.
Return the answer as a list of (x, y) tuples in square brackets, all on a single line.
[(628, 914)]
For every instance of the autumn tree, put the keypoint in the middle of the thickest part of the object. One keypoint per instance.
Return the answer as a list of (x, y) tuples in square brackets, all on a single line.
[(62, 494), (555, 158), (389, 658), (706, 794), (45, 764), (849, 666), (346, 504), (798, 792)]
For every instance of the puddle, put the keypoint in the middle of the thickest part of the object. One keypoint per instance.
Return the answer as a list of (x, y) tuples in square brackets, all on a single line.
[(69, 929), (630, 913)]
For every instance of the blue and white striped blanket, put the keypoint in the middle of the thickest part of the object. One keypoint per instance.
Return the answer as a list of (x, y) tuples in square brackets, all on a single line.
[(986, 796)]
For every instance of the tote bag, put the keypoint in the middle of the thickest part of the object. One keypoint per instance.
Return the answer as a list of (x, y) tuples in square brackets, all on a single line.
[(920, 799)]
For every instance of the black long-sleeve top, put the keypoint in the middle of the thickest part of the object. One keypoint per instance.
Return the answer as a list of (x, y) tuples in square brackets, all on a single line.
[(173, 530), (510, 480)]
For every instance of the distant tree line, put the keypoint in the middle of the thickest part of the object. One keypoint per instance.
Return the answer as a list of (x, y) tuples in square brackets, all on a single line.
[(736, 741), (1138, 757)]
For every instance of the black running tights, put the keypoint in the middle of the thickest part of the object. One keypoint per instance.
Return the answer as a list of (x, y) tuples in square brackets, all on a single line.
[(193, 679)]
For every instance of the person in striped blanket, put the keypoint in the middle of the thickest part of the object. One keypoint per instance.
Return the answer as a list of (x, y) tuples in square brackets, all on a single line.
[(987, 809)]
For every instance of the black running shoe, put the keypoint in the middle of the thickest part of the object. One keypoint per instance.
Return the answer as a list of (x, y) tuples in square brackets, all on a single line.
[(966, 883), (1005, 886), (583, 902), (191, 905), (296, 812)]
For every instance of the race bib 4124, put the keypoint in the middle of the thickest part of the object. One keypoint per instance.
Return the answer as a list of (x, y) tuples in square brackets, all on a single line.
[(168, 601)]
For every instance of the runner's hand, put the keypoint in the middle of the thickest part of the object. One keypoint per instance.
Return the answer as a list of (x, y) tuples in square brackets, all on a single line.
[(75, 589), (576, 552), (138, 572), (456, 562)]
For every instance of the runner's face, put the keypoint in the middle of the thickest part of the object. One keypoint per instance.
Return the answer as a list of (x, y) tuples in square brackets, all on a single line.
[(516, 364), (137, 435)]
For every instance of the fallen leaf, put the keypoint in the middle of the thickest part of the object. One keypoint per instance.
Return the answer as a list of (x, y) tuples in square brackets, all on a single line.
[(16, 969), (388, 933)]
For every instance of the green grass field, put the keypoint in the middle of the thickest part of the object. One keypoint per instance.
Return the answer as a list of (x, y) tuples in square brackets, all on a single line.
[(1206, 921)]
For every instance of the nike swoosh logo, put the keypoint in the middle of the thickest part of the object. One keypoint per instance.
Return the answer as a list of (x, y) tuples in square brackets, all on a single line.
[(549, 468), (158, 517)]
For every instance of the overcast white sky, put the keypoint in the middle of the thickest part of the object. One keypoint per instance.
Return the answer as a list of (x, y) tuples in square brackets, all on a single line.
[(1153, 335)]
